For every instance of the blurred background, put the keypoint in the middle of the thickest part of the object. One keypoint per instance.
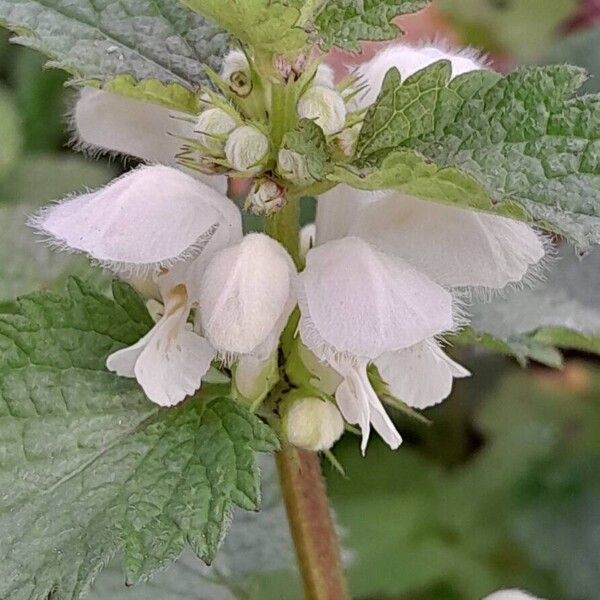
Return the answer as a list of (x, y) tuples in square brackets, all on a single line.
[(501, 486)]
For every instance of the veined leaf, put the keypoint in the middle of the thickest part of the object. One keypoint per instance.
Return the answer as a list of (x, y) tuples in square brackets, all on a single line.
[(94, 40), (89, 466), (523, 137)]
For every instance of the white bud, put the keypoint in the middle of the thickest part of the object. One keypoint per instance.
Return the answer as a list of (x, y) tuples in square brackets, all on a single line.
[(253, 378), (246, 297), (325, 106), (312, 423), (293, 166), (308, 236), (265, 198), (213, 125), (246, 148), (236, 73)]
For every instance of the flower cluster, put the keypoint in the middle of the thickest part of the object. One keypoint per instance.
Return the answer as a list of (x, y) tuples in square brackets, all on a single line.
[(385, 274)]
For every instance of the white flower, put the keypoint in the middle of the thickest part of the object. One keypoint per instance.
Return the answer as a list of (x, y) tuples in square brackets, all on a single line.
[(253, 378), (408, 60), (311, 423), (246, 297), (246, 148), (510, 595), (213, 125), (325, 106), (236, 73), (157, 224), (108, 122)]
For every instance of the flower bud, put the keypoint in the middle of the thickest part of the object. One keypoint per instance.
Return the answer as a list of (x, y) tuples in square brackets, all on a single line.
[(293, 166), (265, 198), (246, 148), (236, 73), (325, 106), (311, 423), (213, 125), (253, 379)]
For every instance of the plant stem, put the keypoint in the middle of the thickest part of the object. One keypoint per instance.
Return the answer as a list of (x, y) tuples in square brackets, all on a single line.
[(311, 525)]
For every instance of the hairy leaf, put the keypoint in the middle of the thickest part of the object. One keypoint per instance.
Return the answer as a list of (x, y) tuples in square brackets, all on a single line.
[(257, 543), (266, 25), (523, 137), (308, 140), (345, 23), (89, 466), (96, 40)]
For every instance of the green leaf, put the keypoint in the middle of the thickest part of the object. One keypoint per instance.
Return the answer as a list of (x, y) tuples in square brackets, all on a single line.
[(308, 140), (345, 23), (409, 172), (562, 311), (257, 546), (89, 466), (523, 30), (147, 39), (266, 25), (534, 148), (10, 133), (171, 95)]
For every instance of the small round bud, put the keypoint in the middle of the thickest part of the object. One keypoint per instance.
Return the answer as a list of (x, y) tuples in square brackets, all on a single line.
[(265, 198), (325, 106), (246, 148), (293, 166), (236, 73), (311, 423), (213, 125)]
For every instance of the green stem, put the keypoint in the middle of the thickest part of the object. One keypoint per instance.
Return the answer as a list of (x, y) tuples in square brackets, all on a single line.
[(302, 485)]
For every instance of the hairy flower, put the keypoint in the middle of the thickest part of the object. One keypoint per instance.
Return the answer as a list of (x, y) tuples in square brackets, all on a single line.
[(236, 73), (266, 197), (213, 125), (159, 226)]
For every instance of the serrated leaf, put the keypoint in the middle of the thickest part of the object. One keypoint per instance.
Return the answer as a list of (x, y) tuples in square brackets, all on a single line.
[(308, 140), (266, 25), (562, 311), (172, 95), (90, 466), (147, 39), (257, 543), (345, 23), (522, 137), (411, 173)]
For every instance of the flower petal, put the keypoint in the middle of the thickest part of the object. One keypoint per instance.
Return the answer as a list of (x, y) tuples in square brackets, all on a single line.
[(170, 360), (359, 404), (246, 296), (337, 209), (421, 375), (114, 123), (511, 595), (150, 217), (358, 301), (454, 246), (409, 60)]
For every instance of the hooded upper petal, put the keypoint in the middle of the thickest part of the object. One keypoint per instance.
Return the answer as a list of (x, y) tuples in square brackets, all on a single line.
[(150, 217), (409, 60), (454, 246), (115, 123), (247, 295), (170, 360), (421, 375), (359, 301)]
